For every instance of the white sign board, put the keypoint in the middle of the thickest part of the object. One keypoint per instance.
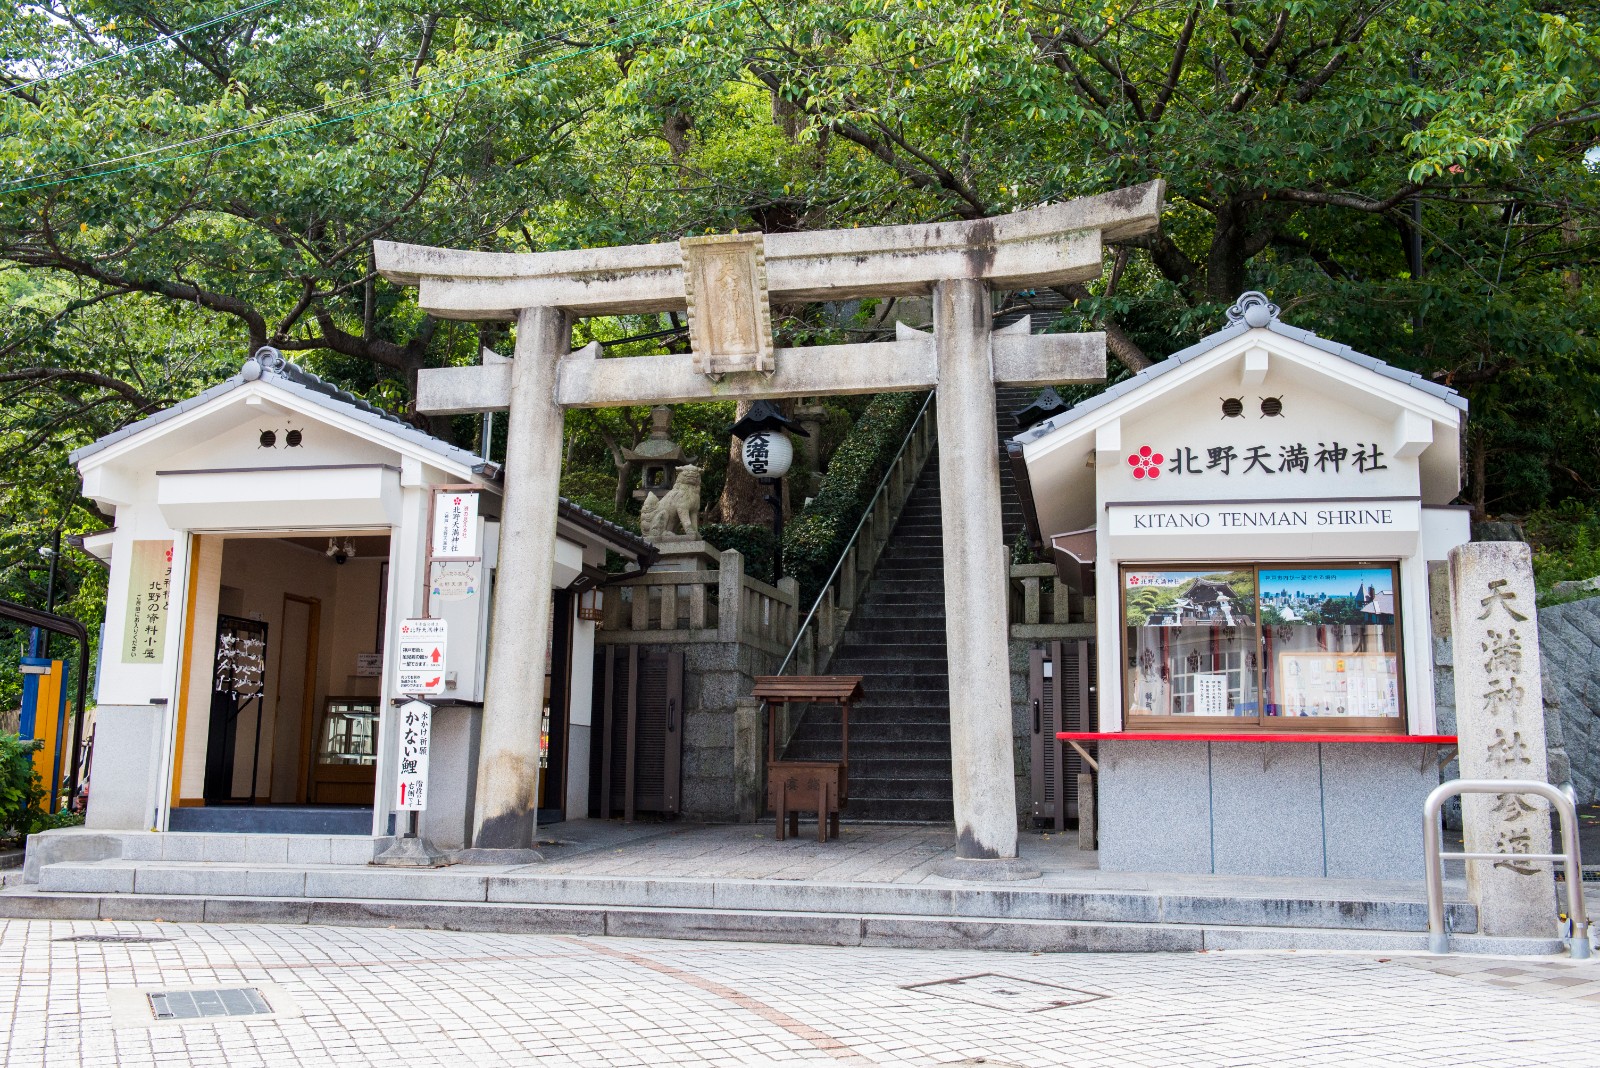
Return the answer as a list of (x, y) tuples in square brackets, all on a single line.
[(455, 524), (422, 657), (1211, 694), (416, 724), (369, 665), (1266, 517)]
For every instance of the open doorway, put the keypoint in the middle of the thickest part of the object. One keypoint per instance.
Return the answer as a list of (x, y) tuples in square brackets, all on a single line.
[(285, 649)]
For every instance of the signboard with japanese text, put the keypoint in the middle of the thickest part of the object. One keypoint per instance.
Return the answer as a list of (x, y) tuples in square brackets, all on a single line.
[(416, 727), (144, 630), (455, 524), (454, 580), (369, 665), (422, 649)]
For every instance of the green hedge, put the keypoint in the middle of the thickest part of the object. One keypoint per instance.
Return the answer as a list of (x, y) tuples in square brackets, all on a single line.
[(754, 541), (814, 540)]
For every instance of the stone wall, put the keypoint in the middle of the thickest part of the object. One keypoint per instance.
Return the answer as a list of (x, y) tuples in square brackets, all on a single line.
[(1569, 646), (716, 675)]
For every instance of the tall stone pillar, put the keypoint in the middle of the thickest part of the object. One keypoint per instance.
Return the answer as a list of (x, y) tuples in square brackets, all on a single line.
[(1500, 723), (974, 576), (505, 812)]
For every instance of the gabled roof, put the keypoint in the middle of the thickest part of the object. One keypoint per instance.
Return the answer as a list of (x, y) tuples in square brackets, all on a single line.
[(1251, 311), (269, 366)]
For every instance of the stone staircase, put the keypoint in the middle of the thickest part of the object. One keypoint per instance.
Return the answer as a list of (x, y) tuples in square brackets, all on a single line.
[(900, 730)]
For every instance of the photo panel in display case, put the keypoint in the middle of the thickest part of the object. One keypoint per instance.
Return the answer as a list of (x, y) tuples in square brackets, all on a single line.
[(1331, 642)]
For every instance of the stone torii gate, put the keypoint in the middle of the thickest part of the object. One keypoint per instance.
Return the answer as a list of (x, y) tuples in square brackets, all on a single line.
[(725, 283)]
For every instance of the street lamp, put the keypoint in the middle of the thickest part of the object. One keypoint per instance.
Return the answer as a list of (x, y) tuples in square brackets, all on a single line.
[(767, 454)]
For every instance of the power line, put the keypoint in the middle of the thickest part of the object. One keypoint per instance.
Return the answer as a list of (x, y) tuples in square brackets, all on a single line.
[(22, 185), (137, 48)]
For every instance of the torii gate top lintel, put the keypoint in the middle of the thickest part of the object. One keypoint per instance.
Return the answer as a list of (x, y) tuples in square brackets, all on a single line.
[(1043, 246), (1049, 245)]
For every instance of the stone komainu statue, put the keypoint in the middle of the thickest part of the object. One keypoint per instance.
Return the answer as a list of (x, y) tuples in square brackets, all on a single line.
[(680, 508)]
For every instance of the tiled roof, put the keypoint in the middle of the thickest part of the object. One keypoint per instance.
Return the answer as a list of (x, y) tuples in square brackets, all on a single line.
[(1251, 311), (269, 365)]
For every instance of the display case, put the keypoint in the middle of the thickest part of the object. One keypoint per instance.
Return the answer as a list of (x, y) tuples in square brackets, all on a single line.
[(345, 768)]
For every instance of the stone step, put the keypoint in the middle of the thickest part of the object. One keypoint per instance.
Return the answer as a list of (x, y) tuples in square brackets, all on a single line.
[(901, 809), (942, 924), (77, 880), (867, 739)]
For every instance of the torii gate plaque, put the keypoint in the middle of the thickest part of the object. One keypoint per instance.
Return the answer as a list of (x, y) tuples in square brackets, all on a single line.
[(959, 263)]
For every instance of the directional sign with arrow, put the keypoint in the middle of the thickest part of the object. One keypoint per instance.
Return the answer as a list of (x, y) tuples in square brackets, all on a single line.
[(423, 650)]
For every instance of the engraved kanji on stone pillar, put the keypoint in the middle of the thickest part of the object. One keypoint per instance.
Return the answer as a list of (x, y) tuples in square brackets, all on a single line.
[(730, 320), (1500, 721)]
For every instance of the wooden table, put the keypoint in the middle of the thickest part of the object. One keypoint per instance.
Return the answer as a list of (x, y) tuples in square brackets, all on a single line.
[(796, 786)]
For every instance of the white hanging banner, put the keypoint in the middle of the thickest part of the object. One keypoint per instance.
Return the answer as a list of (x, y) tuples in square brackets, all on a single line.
[(416, 724), (422, 657), (455, 524)]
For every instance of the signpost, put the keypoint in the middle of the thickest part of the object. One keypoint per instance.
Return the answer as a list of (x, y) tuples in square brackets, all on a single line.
[(422, 657), (416, 724)]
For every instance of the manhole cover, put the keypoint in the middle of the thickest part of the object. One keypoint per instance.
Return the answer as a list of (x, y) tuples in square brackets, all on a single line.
[(113, 938), (202, 1004), (144, 1007), (1007, 992)]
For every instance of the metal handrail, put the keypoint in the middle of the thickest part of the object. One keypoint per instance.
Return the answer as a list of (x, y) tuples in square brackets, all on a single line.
[(866, 513), (1434, 855)]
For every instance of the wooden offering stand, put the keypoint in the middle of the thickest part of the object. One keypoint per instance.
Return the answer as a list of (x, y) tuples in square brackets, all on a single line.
[(796, 786)]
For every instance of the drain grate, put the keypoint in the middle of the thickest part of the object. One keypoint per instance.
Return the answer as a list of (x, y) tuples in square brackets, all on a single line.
[(112, 938), (1007, 992), (202, 1004)]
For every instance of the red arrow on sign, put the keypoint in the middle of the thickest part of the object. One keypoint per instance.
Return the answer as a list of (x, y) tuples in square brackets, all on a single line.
[(430, 684), (436, 656)]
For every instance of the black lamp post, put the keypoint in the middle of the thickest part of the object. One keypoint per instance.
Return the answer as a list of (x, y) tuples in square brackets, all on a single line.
[(767, 454)]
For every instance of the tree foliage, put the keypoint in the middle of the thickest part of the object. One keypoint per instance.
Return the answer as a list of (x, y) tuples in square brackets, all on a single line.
[(1413, 177)]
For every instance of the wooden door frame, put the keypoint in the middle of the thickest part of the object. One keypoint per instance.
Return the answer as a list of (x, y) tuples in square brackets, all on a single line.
[(308, 700)]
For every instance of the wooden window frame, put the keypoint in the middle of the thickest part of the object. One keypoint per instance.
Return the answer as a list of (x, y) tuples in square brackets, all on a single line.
[(1311, 726)]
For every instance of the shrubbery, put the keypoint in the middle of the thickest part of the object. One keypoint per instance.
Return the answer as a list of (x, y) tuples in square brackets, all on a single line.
[(814, 540), (754, 541), (1566, 546), (22, 793), (20, 788)]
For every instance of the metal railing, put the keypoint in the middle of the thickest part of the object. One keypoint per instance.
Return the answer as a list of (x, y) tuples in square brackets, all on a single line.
[(853, 564), (1434, 855)]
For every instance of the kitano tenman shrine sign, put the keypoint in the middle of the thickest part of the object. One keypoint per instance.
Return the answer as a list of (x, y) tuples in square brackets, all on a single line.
[(725, 283)]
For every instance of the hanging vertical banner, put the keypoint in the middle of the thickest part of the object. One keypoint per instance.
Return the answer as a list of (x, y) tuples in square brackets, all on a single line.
[(416, 724), (455, 524), (144, 621)]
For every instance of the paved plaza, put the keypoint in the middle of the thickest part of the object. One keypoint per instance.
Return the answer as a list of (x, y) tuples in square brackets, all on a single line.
[(385, 996)]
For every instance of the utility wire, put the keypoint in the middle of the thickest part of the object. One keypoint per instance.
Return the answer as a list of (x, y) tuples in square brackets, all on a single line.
[(38, 181), (42, 79)]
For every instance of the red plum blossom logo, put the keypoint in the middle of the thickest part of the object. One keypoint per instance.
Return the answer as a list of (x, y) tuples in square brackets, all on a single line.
[(1146, 463)]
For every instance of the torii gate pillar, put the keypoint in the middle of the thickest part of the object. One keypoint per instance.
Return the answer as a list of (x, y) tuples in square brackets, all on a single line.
[(964, 359), (975, 607)]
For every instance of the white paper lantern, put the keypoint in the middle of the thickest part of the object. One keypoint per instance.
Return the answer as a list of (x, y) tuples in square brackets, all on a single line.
[(768, 454)]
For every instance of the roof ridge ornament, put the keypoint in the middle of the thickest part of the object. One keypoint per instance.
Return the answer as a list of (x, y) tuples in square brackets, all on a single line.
[(266, 358), (1252, 308)]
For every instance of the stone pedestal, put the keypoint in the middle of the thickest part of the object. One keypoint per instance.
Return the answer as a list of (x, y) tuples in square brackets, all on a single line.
[(684, 552), (1500, 721)]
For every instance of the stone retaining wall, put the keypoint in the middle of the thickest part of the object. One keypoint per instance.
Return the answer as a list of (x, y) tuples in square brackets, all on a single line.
[(1569, 645)]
